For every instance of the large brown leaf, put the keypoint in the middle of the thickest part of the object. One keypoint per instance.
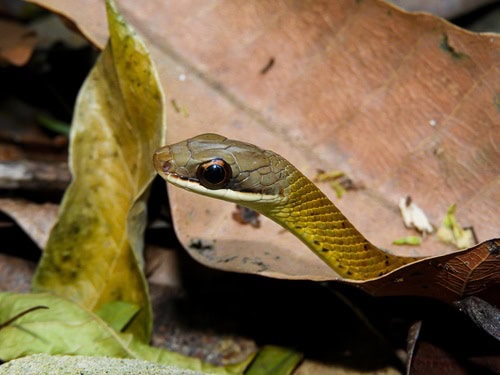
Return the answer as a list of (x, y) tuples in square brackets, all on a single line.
[(403, 103)]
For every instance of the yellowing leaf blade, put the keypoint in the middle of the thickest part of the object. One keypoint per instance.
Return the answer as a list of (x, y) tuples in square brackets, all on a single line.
[(117, 314), (274, 360), (94, 252)]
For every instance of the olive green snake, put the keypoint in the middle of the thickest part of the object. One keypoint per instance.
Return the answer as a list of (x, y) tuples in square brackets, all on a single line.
[(215, 166)]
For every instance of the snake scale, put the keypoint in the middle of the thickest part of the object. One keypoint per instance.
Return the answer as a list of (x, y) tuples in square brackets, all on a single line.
[(239, 172)]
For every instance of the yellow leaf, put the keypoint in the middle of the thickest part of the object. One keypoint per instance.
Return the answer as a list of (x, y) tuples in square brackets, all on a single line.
[(94, 254)]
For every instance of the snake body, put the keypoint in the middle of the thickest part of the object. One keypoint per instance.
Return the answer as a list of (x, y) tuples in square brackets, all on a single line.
[(262, 180)]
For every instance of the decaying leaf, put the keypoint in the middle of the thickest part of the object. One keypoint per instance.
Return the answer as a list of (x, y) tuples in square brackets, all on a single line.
[(16, 42), (94, 253), (449, 278), (15, 274), (357, 86), (450, 231), (36, 226)]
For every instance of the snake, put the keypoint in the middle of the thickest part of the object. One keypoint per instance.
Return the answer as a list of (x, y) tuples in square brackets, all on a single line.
[(242, 173)]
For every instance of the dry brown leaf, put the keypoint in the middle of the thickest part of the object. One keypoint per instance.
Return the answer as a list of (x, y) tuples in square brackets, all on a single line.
[(403, 103), (15, 274), (38, 226), (448, 278), (461, 352), (16, 42)]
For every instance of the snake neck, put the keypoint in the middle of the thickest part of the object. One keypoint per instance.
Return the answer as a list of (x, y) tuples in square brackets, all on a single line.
[(317, 222)]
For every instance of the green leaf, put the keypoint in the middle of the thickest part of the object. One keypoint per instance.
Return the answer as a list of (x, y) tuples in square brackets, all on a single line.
[(118, 314), (274, 360), (66, 328), (94, 253), (452, 232), (53, 124), (63, 328), (408, 240), (158, 355)]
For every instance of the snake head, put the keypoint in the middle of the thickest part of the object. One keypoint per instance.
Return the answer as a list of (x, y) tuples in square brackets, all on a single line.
[(219, 167)]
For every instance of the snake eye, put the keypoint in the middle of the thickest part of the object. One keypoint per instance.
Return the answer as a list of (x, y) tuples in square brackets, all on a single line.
[(214, 174)]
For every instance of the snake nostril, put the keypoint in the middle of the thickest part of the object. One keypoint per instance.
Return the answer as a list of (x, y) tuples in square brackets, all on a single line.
[(167, 166)]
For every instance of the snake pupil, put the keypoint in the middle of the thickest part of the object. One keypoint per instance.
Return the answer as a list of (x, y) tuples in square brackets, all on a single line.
[(214, 174)]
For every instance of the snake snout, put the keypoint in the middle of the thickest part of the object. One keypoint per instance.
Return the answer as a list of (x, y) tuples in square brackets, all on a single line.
[(163, 161)]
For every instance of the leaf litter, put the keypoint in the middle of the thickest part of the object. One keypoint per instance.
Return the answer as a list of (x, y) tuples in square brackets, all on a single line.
[(450, 267)]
